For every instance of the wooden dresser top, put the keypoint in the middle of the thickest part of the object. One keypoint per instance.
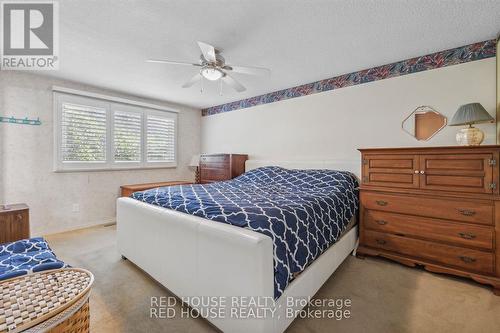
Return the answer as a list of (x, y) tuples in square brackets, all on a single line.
[(430, 148), (13, 208)]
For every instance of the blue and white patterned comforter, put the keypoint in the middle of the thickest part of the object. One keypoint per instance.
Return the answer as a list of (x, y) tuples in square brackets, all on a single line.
[(27, 256), (303, 211)]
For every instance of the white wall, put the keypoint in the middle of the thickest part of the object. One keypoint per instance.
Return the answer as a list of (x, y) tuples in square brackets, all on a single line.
[(334, 124), (26, 161)]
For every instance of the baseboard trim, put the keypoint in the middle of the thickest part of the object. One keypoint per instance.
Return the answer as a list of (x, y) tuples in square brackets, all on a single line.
[(103, 223)]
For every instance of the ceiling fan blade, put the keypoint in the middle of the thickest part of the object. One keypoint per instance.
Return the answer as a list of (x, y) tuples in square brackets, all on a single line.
[(172, 62), (248, 70), (192, 81), (229, 80), (208, 51)]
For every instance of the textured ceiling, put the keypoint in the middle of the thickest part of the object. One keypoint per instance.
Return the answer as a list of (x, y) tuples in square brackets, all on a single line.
[(105, 43)]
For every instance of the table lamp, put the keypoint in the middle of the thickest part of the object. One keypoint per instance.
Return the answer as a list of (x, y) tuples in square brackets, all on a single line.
[(195, 163), (469, 114)]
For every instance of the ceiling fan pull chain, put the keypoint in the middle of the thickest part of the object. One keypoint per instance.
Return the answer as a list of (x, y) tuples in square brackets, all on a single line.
[(201, 85)]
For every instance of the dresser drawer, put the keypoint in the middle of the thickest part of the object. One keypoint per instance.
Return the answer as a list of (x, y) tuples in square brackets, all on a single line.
[(214, 165), (471, 260), (223, 158), (460, 210), (214, 174), (433, 229)]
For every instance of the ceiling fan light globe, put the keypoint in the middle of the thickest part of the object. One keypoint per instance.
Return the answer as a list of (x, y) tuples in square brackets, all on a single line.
[(212, 74)]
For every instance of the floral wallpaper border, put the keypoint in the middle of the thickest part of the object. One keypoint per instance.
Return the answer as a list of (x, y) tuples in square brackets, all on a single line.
[(459, 55)]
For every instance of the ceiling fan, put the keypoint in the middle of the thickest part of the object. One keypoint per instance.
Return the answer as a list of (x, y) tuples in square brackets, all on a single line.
[(213, 67)]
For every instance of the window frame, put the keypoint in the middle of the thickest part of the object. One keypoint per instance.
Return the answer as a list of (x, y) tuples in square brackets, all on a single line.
[(111, 105)]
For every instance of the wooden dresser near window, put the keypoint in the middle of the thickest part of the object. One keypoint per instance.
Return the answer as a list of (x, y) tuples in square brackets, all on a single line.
[(219, 167), (14, 222), (436, 207)]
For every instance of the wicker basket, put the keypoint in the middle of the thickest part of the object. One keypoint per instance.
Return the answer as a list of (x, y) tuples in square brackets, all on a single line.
[(51, 301), (78, 322)]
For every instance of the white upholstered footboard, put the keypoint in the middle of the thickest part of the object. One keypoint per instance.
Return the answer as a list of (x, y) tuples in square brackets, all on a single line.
[(192, 256)]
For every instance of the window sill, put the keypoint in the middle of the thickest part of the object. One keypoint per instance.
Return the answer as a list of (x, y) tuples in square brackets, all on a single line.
[(114, 169)]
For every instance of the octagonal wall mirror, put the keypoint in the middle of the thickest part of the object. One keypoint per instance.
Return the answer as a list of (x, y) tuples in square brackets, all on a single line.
[(423, 123)]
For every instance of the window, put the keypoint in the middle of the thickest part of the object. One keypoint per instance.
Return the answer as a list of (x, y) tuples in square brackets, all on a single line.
[(83, 129), (127, 136), (97, 134), (160, 137)]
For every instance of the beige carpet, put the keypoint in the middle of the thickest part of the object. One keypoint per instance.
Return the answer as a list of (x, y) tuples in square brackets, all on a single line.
[(386, 297)]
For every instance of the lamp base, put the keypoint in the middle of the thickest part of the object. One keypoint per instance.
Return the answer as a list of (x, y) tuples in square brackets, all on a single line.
[(470, 136), (197, 176)]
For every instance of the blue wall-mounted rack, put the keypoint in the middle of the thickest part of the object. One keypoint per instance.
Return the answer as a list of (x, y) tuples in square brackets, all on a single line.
[(25, 121)]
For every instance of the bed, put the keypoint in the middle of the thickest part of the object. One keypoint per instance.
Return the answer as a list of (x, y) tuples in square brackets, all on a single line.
[(27, 256), (193, 256)]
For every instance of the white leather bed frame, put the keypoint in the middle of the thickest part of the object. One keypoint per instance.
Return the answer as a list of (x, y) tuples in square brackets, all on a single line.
[(192, 256)]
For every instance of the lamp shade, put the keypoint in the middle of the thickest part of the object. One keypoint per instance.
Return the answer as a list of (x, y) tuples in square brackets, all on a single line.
[(195, 161), (469, 114)]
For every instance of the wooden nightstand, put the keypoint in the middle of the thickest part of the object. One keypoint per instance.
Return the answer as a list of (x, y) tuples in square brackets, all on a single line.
[(14, 222), (127, 190)]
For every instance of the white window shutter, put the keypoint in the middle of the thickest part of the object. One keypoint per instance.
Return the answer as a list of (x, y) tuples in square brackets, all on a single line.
[(160, 134), (83, 130), (127, 136)]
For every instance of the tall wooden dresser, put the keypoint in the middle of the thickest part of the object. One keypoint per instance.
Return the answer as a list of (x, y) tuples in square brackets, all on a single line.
[(434, 207), (219, 167)]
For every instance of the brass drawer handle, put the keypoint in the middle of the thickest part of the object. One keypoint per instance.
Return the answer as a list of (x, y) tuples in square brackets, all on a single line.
[(467, 259), (381, 241), (467, 212), (466, 235), (19, 217), (381, 222), (381, 202)]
